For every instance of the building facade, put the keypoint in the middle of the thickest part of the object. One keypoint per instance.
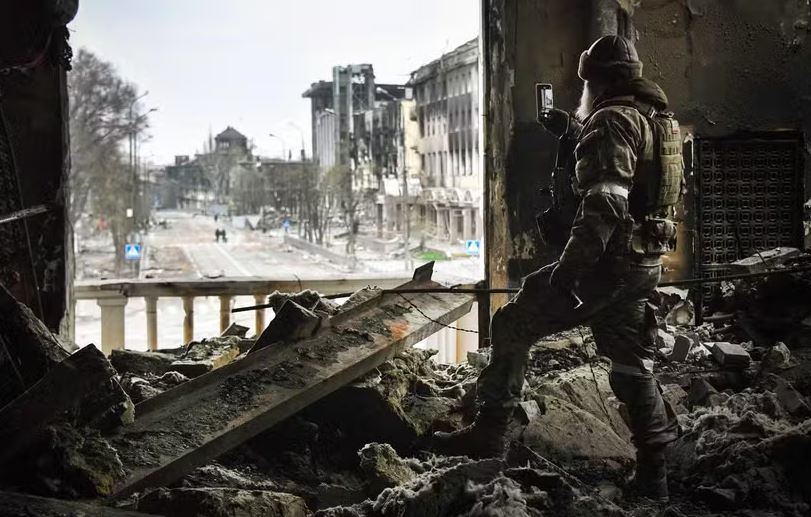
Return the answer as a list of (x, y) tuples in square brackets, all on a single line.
[(206, 179), (352, 132), (446, 93)]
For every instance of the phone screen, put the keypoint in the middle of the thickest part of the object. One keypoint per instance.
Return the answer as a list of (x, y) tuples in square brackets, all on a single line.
[(543, 98)]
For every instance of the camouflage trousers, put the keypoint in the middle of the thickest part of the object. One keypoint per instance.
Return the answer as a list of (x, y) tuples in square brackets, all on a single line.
[(624, 327)]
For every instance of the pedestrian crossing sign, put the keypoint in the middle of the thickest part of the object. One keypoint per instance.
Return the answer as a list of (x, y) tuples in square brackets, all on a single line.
[(132, 251), (473, 247)]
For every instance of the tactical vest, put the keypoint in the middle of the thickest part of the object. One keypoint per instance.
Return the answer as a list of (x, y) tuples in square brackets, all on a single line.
[(658, 184)]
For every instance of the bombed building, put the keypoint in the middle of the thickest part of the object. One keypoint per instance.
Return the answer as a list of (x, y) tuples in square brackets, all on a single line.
[(618, 325)]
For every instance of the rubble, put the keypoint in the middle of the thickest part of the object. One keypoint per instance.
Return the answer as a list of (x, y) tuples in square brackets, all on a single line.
[(731, 355), (361, 449), (764, 261), (28, 350), (777, 357), (220, 502), (682, 345)]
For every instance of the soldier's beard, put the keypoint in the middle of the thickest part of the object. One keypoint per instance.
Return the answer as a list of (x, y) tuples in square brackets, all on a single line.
[(586, 101)]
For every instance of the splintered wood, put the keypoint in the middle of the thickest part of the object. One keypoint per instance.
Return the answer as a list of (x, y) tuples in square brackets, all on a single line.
[(194, 423)]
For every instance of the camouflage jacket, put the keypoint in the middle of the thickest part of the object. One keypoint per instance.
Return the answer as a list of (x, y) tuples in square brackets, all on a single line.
[(615, 142)]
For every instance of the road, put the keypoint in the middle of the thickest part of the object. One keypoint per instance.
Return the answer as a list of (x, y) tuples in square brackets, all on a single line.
[(246, 253), (187, 249), (252, 253)]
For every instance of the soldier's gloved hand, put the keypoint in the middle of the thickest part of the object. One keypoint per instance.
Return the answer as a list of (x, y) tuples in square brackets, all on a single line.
[(556, 121), (563, 279)]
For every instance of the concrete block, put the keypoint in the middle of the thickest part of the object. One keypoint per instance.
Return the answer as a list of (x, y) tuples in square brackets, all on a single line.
[(235, 329), (664, 339), (293, 322), (528, 411), (777, 356), (478, 359), (764, 260), (674, 395), (788, 396), (700, 390), (682, 345), (731, 355)]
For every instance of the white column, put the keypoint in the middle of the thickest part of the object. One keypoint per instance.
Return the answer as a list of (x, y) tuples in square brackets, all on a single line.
[(112, 323)]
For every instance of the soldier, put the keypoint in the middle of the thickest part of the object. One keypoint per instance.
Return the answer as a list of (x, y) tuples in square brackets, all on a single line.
[(628, 177)]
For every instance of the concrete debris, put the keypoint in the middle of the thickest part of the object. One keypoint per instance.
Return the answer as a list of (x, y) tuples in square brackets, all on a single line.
[(745, 454), (73, 391), (764, 261), (789, 397), (682, 314), (292, 322), (25, 505), (220, 502), (527, 411), (479, 358), (383, 468), (564, 432), (730, 355), (142, 363), (777, 356), (746, 425), (200, 357), (682, 345), (71, 463), (308, 299), (675, 395), (664, 340), (235, 329), (700, 393), (28, 350)]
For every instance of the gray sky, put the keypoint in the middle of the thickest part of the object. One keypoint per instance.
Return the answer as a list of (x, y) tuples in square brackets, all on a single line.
[(208, 64)]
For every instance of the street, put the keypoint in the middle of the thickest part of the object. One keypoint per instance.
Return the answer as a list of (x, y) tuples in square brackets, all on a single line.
[(186, 248)]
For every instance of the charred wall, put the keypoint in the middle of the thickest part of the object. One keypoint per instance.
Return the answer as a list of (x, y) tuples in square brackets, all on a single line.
[(527, 42), (730, 68), (33, 57)]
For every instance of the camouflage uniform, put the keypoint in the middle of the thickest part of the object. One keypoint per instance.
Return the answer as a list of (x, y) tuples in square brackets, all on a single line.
[(614, 284)]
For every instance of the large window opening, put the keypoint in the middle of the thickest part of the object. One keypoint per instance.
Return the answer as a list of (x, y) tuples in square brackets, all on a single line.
[(201, 170)]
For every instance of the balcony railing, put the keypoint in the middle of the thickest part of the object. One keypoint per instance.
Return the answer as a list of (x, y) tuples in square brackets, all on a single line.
[(112, 297)]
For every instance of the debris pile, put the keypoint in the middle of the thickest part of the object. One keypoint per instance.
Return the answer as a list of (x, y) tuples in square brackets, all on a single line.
[(739, 383)]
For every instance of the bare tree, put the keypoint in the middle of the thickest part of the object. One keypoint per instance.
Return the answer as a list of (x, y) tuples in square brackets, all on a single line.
[(104, 113)]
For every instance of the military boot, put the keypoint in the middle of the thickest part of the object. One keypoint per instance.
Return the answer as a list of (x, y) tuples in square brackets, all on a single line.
[(484, 438), (650, 478)]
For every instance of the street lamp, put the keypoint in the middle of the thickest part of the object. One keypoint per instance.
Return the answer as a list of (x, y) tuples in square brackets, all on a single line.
[(284, 146), (301, 134)]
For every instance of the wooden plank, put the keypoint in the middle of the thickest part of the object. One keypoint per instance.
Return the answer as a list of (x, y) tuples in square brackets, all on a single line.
[(13, 504), (194, 423), (45, 402)]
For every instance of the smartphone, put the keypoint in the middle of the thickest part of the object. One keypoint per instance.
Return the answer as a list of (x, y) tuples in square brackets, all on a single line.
[(544, 102)]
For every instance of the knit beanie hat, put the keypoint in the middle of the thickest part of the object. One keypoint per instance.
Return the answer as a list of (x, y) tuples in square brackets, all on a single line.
[(610, 58)]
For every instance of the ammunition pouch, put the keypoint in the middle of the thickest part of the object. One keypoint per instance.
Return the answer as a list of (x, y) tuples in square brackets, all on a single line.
[(653, 237)]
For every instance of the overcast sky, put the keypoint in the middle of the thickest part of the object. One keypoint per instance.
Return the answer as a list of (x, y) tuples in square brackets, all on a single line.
[(209, 64)]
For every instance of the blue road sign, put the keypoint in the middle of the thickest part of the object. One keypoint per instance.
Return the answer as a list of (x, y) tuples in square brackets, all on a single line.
[(473, 247), (132, 251)]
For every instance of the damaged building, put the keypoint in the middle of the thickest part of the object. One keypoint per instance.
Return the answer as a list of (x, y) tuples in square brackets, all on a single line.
[(329, 408)]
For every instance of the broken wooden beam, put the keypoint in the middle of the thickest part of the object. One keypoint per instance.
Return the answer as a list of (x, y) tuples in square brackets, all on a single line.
[(14, 504), (198, 421), (85, 375)]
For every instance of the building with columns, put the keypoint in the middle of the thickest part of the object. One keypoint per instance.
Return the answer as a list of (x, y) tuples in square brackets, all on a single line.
[(446, 94)]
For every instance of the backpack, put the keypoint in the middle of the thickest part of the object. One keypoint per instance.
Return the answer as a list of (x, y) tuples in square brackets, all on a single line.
[(658, 189)]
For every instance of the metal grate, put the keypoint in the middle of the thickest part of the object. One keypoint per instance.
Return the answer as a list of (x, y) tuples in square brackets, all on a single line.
[(748, 199)]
